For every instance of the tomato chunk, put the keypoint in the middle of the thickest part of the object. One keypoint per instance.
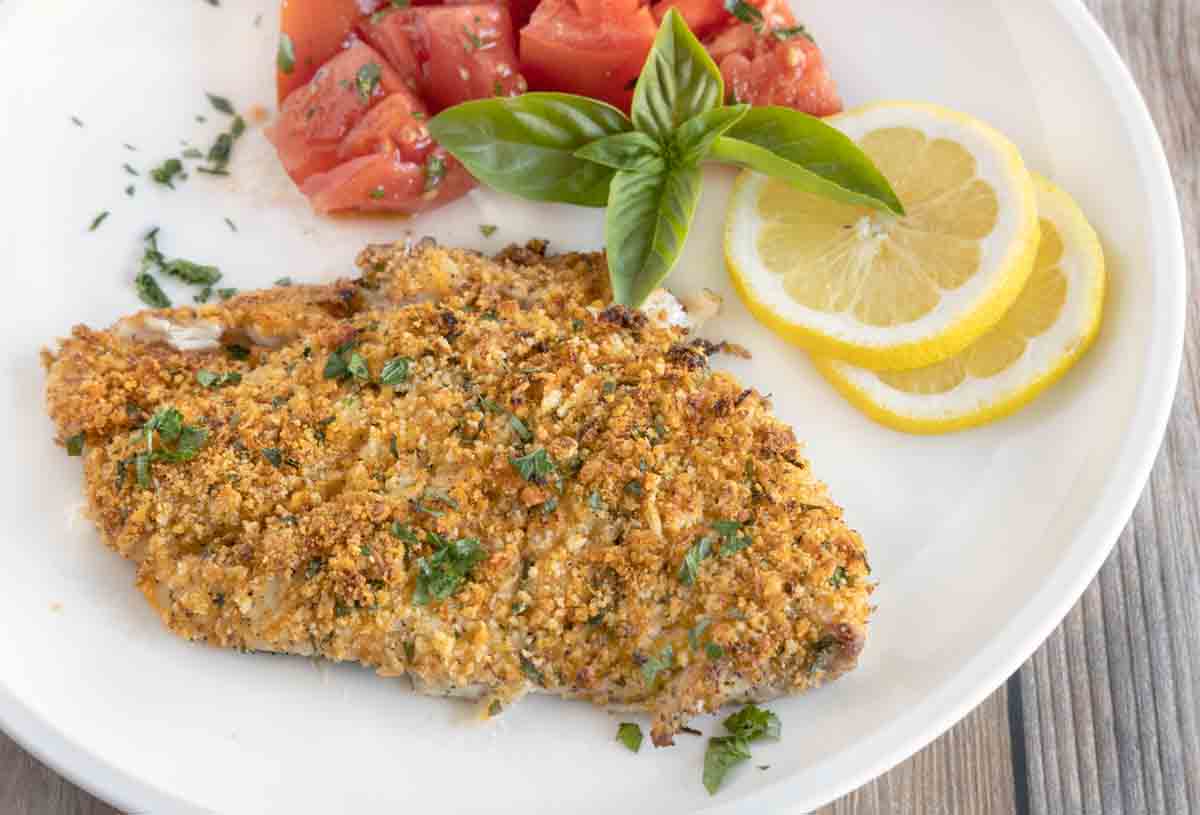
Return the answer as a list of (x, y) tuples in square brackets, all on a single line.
[(396, 124), (563, 50), (702, 16), (317, 116), (318, 29), (453, 53), (384, 182), (777, 64)]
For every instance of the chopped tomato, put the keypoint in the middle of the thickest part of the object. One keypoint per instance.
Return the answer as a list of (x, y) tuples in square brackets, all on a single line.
[(607, 9), (455, 53), (317, 29), (702, 16), (384, 182), (518, 10), (397, 124), (316, 117), (775, 65), (563, 50)]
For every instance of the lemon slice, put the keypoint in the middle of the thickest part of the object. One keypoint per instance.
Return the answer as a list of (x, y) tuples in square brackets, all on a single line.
[(883, 291), (1050, 326)]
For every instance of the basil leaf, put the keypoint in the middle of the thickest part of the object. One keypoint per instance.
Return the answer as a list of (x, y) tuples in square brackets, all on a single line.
[(694, 137), (648, 218), (625, 151), (678, 81), (807, 152), (525, 145)]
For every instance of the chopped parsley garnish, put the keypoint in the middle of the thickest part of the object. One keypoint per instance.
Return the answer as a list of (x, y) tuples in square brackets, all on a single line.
[(129, 190), (209, 379), (366, 81), (530, 670), (487, 230), (654, 665), (839, 578), (232, 226), (225, 294), (75, 444), (431, 494), (395, 371), (238, 352), (283, 281), (220, 103), (634, 488), (724, 753), (345, 362), (692, 559), (286, 57), (753, 723), (130, 169), (519, 428), (441, 574), (630, 735), (732, 541), (166, 172), (595, 502), (535, 466), (713, 650), (149, 292), (77, 121), (404, 532), (195, 273), (192, 152), (377, 193), (696, 632), (222, 148), (99, 219), (273, 455), (435, 171), (177, 442), (746, 13), (792, 32), (129, 147), (475, 42)]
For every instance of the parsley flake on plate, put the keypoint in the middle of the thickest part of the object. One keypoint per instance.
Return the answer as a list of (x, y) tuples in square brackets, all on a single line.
[(630, 734)]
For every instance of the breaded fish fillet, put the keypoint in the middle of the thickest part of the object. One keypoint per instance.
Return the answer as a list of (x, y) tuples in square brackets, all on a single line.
[(472, 472)]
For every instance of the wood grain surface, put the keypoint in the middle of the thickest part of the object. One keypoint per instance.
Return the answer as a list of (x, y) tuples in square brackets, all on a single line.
[(1103, 718)]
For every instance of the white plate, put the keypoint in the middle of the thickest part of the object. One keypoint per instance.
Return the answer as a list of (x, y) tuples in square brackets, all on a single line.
[(980, 541)]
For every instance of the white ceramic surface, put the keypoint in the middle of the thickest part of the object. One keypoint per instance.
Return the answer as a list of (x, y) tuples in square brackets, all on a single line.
[(980, 541)]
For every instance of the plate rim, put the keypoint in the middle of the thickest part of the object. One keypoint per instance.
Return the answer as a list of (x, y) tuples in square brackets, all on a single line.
[(1002, 655)]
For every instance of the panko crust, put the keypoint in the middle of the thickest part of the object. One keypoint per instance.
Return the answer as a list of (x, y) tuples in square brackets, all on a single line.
[(580, 592)]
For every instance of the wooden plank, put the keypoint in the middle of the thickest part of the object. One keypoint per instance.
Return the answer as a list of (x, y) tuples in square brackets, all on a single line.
[(965, 772), (27, 787), (1109, 702)]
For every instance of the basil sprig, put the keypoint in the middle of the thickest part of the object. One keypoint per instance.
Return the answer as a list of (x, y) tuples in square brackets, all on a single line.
[(646, 168)]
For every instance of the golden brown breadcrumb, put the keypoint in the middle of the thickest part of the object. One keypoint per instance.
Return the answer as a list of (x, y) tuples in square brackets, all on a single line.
[(319, 494)]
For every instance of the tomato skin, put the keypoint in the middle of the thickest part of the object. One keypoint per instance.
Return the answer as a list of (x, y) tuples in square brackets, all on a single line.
[(395, 124), (318, 30), (519, 11), (791, 73), (761, 69), (702, 16), (317, 116), (454, 53), (565, 51), (383, 182)]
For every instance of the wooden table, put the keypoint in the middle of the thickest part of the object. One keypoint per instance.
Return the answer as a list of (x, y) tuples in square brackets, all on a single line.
[(1103, 718)]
